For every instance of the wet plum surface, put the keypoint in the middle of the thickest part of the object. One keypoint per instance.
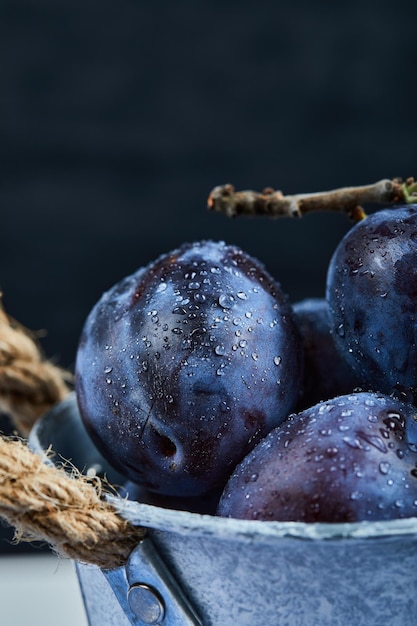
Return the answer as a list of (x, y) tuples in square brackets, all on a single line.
[(348, 459), (372, 295), (326, 373), (185, 365)]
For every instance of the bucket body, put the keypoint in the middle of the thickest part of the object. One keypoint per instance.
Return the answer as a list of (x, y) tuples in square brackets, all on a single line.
[(252, 573)]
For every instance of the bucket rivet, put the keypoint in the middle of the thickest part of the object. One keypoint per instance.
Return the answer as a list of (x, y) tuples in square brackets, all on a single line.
[(146, 603)]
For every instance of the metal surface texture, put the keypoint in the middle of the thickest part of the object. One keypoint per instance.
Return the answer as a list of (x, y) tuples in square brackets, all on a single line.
[(148, 593), (255, 573)]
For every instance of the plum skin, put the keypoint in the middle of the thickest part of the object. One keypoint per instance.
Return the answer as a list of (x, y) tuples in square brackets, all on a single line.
[(349, 459), (326, 373), (185, 365), (372, 296)]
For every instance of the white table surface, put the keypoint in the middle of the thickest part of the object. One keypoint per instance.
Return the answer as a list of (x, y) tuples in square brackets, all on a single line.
[(39, 590)]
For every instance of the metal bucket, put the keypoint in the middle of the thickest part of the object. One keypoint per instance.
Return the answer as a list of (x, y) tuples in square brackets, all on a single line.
[(197, 569)]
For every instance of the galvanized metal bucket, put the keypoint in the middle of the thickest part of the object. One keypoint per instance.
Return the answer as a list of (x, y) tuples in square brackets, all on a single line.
[(197, 569)]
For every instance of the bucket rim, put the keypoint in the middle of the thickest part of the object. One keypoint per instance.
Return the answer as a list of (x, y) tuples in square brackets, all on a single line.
[(196, 524), (62, 430)]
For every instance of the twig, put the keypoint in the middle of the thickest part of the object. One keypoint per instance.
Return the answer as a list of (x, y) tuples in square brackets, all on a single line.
[(225, 199)]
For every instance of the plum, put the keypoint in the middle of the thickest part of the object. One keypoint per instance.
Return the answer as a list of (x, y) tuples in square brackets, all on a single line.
[(348, 459), (372, 296), (326, 373), (185, 365)]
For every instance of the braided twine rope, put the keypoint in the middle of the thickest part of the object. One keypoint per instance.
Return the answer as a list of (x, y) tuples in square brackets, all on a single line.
[(64, 508)]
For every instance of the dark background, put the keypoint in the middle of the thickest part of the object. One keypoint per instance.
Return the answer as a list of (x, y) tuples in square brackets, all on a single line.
[(118, 118)]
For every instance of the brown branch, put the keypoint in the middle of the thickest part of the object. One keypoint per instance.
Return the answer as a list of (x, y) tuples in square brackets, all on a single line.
[(225, 199)]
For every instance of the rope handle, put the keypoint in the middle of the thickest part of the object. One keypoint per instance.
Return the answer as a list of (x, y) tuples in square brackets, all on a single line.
[(42, 502), (30, 385)]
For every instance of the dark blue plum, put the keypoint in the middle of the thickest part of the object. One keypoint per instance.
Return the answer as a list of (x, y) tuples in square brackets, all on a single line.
[(326, 373), (372, 296), (349, 459), (185, 365)]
